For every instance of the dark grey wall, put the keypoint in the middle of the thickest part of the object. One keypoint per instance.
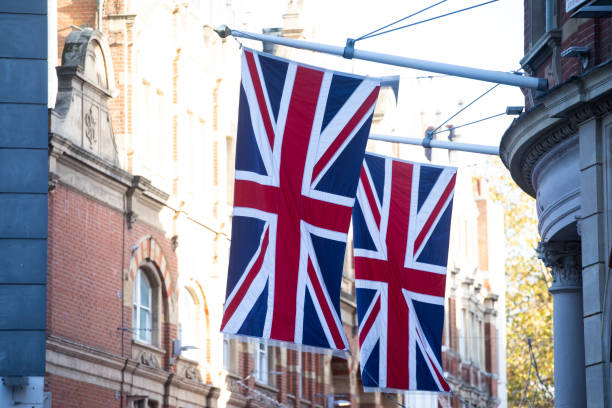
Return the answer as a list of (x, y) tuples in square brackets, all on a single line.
[(23, 186)]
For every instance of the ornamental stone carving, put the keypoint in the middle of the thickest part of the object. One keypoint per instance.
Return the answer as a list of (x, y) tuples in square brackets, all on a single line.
[(563, 258), (149, 359), (90, 123), (192, 373)]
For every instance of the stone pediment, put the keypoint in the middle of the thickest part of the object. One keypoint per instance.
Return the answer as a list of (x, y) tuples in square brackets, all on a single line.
[(86, 84)]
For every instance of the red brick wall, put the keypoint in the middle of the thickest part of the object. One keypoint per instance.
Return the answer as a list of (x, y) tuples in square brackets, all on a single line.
[(594, 33), (84, 271), (67, 393), (452, 324), (491, 362), (483, 235), (81, 13)]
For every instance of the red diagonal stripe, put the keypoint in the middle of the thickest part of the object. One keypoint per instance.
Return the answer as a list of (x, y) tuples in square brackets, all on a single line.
[(261, 100), (370, 196), (344, 134), (325, 307), (254, 195), (441, 379), (244, 287), (434, 214), (363, 333)]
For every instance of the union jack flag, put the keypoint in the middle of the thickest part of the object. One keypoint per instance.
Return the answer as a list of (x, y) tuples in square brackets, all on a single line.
[(301, 138), (401, 224)]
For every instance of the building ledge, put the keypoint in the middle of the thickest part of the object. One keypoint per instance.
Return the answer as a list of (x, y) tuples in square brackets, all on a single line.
[(540, 51)]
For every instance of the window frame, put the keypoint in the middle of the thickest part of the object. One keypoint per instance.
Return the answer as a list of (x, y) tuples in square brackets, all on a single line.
[(195, 324), (149, 270), (262, 359), (227, 354), (142, 334)]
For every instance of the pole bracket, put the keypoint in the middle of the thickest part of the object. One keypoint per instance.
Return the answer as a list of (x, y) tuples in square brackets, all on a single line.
[(428, 138), (349, 49)]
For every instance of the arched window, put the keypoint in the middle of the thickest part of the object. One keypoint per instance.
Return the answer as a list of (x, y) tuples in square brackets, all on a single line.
[(143, 308), (189, 324)]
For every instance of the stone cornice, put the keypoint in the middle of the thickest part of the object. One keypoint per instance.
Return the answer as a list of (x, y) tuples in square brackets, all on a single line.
[(554, 119), (62, 150), (58, 348), (83, 352)]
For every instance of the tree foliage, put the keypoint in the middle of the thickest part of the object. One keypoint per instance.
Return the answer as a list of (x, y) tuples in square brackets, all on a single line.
[(528, 303)]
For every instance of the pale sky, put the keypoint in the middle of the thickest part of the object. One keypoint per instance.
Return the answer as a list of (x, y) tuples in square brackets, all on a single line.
[(490, 37)]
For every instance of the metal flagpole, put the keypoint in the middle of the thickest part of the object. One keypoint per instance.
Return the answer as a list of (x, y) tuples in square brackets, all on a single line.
[(441, 144), (439, 67)]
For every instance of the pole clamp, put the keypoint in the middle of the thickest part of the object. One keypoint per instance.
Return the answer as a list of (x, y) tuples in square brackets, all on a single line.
[(428, 138), (349, 49)]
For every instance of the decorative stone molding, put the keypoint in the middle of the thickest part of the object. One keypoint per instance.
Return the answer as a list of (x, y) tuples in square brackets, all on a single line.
[(90, 128), (130, 219), (53, 180), (174, 242), (552, 138), (556, 117), (564, 260), (148, 249), (149, 359), (192, 373)]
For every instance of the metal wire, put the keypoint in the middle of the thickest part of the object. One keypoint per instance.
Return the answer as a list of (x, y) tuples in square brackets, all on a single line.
[(469, 123), (429, 19), (526, 386), (464, 108), (535, 366), (397, 21)]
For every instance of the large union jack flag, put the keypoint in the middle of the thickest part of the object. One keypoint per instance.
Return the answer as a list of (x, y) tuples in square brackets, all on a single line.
[(401, 224), (301, 138)]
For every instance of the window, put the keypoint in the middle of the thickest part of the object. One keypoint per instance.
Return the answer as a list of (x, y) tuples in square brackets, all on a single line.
[(145, 403), (226, 354), (261, 363), (538, 19), (143, 308), (473, 339), (188, 324)]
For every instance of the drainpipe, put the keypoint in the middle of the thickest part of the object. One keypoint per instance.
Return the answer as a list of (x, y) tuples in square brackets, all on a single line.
[(100, 4), (167, 389)]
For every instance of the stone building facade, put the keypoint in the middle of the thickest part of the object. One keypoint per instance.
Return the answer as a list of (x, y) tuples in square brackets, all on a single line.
[(560, 151)]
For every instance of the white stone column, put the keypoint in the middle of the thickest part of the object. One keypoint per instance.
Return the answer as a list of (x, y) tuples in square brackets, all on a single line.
[(564, 260)]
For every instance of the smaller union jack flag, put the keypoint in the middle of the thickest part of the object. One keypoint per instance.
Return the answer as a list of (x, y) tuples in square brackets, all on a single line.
[(401, 225), (301, 138)]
